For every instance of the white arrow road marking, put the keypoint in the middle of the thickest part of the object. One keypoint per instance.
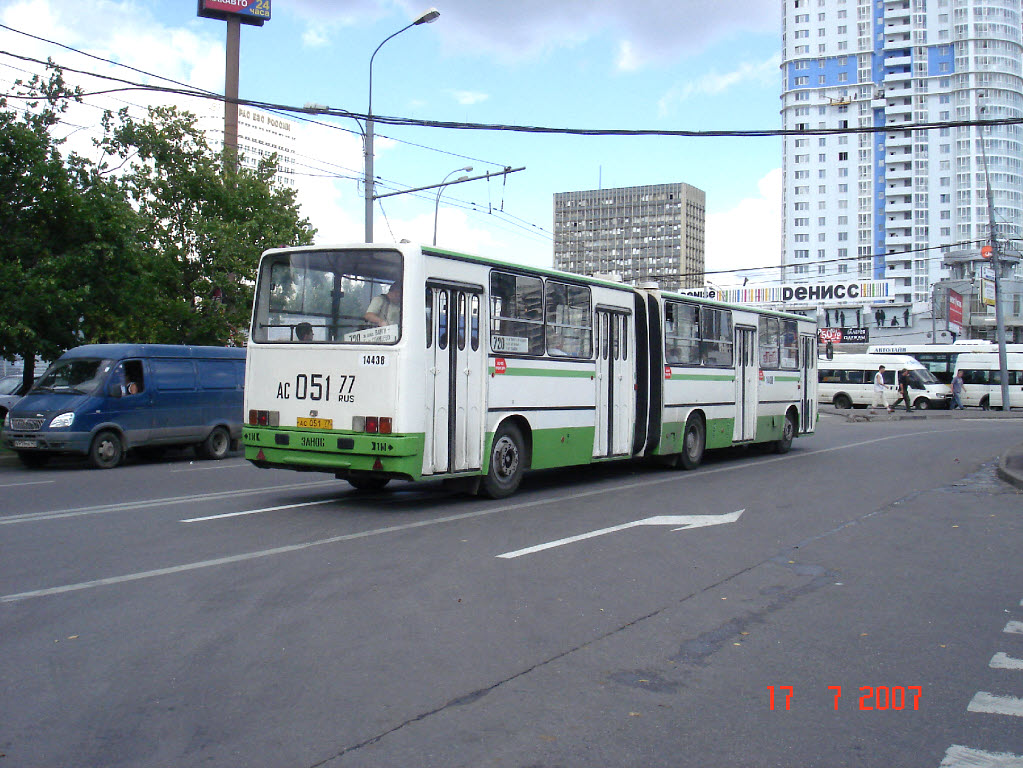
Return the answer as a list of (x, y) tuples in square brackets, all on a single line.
[(684, 522), (996, 705), (963, 757)]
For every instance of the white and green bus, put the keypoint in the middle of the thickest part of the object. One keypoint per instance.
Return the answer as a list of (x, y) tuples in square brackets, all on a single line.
[(479, 370)]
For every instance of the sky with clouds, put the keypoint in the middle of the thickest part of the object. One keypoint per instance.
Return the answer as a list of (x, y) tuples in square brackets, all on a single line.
[(633, 64)]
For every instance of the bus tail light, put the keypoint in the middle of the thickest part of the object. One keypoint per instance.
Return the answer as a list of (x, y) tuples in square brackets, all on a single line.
[(385, 425), (264, 418), (374, 425)]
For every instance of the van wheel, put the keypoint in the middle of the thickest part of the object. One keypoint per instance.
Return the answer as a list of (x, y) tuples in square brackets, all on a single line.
[(33, 460), (922, 404), (507, 463), (788, 431), (842, 402), (216, 445), (106, 450), (694, 441)]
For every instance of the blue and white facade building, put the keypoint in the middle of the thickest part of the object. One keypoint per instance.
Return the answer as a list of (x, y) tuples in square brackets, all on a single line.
[(870, 195)]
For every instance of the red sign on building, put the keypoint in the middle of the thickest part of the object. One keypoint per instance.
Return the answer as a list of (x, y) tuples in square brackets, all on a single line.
[(955, 309)]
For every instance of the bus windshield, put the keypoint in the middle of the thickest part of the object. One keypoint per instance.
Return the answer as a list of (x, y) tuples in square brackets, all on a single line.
[(329, 296), (80, 376)]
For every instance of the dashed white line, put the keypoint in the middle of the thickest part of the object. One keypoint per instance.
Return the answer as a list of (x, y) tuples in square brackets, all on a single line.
[(1004, 661), (993, 704), (964, 757), (1015, 627)]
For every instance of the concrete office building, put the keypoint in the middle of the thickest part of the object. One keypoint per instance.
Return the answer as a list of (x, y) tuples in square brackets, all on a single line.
[(891, 204), (260, 134), (644, 233)]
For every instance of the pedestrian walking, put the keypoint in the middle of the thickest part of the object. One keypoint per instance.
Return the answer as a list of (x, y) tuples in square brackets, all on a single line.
[(957, 391), (880, 394), (904, 390)]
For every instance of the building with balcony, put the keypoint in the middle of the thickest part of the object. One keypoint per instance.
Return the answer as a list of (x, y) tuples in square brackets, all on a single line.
[(869, 193), (648, 233)]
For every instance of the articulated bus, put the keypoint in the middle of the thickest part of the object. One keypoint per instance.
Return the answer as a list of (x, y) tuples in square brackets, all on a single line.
[(474, 371)]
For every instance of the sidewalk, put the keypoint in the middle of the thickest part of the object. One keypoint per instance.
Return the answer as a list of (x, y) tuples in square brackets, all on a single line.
[(1010, 466)]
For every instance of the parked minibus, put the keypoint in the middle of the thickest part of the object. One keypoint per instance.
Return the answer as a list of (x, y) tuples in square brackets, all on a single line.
[(848, 380), (982, 379), (101, 400)]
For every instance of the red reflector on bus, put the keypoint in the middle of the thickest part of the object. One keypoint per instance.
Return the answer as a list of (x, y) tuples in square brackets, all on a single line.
[(385, 425), (378, 465), (372, 425)]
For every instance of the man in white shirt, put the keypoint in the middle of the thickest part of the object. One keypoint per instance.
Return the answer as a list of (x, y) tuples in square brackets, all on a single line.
[(880, 393)]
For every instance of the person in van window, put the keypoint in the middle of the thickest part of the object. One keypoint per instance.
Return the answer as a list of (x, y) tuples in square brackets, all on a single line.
[(385, 309), (957, 391), (880, 394), (904, 390)]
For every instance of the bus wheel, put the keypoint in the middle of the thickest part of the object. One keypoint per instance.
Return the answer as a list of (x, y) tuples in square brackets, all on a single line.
[(922, 404), (216, 445), (106, 450), (360, 483), (842, 402), (788, 431), (507, 463), (985, 404), (693, 442)]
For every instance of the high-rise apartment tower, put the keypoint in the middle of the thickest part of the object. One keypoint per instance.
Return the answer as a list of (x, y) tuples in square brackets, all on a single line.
[(889, 202), (645, 233)]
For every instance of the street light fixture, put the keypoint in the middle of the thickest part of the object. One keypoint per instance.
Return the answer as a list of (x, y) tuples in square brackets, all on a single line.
[(440, 191), (428, 17)]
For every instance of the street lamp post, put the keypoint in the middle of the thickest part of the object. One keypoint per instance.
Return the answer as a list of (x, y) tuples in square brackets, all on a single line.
[(428, 17), (440, 191)]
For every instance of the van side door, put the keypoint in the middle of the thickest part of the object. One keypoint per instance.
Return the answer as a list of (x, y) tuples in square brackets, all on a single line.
[(128, 402)]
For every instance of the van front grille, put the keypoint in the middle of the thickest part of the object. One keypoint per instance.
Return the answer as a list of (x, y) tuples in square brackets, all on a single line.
[(26, 425)]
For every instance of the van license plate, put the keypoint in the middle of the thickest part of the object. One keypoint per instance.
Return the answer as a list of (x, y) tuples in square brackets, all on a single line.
[(316, 423), (25, 444)]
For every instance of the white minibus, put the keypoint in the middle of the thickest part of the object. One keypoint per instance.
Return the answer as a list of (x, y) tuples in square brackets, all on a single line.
[(982, 379), (848, 380)]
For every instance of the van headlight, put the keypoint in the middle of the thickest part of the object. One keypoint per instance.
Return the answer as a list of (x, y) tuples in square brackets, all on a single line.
[(62, 421)]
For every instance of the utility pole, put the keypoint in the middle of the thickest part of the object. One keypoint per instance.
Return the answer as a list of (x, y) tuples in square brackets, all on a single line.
[(992, 249)]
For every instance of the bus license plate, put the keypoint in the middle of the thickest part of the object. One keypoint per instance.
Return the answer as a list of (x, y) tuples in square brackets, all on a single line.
[(316, 423)]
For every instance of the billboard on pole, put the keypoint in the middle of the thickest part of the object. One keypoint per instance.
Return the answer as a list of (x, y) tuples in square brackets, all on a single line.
[(246, 11)]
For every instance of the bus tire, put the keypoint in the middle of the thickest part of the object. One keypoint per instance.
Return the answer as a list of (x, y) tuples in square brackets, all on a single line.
[(107, 450), (788, 432), (360, 483), (985, 403), (507, 462), (694, 442), (842, 402), (216, 445)]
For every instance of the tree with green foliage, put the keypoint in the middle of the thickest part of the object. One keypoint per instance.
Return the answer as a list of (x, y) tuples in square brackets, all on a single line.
[(206, 220), (70, 256)]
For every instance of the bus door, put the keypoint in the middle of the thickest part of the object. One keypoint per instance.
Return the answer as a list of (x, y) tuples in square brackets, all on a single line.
[(615, 389), (747, 377), (808, 407), (455, 376)]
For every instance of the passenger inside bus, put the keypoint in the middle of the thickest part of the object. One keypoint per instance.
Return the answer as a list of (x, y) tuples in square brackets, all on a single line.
[(385, 309)]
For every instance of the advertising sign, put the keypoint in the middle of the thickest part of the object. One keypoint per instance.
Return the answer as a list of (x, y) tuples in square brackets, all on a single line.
[(955, 311), (987, 287), (807, 295), (843, 335), (246, 11)]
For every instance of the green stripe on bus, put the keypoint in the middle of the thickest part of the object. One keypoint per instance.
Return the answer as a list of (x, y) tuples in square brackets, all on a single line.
[(702, 377)]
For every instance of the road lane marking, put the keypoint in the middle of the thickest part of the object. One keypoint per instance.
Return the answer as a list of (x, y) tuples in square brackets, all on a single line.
[(1002, 660), (32, 517), (684, 521), (963, 757), (31, 482), (1015, 627), (258, 511), (992, 704)]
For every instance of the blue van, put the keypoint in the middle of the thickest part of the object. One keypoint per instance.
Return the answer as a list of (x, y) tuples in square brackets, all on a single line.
[(101, 400)]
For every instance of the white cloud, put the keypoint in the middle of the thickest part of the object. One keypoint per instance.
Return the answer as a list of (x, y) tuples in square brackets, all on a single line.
[(747, 237), (468, 98), (765, 72)]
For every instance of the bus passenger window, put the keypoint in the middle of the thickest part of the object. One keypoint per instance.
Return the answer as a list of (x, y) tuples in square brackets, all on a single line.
[(442, 319), (462, 319), (474, 326), (429, 317)]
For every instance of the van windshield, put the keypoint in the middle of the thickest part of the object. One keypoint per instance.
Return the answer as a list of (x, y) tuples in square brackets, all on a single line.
[(80, 376), (922, 376)]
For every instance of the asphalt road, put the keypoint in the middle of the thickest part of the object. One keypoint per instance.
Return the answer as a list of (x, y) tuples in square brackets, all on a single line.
[(185, 613)]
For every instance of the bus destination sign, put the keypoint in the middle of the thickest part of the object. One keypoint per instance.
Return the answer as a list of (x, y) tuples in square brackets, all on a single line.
[(246, 11)]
